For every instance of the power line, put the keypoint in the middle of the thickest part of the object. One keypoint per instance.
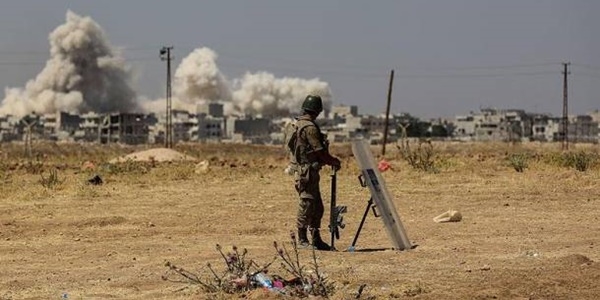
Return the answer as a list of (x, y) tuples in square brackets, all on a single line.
[(40, 63), (321, 70), (480, 75), (587, 75), (21, 63), (24, 52), (488, 67), (327, 71), (246, 57), (375, 74), (586, 66)]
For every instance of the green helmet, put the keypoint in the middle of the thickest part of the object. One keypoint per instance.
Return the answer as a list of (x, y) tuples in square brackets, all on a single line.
[(313, 104)]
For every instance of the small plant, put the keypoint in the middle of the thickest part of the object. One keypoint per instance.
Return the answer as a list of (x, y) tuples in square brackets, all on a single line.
[(414, 290), (313, 281), (420, 158), (52, 181), (4, 175), (581, 160), (236, 277), (87, 191), (34, 167), (242, 274), (183, 172), (518, 161), (127, 167)]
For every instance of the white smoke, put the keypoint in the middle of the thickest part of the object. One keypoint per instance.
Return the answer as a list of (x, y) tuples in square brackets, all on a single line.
[(83, 74), (262, 93), (198, 80)]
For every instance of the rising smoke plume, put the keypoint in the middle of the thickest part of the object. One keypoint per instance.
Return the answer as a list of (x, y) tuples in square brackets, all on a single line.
[(83, 74), (198, 80)]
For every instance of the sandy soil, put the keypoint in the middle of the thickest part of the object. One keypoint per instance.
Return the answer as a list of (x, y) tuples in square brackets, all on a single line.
[(531, 235)]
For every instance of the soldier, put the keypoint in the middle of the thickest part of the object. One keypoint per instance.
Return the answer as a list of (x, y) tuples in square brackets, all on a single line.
[(310, 153)]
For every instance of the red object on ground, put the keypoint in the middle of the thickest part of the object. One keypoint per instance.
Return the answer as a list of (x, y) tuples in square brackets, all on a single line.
[(88, 165), (383, 165)]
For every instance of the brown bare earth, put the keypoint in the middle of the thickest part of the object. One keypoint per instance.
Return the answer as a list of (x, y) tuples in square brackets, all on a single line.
[(530, 235)]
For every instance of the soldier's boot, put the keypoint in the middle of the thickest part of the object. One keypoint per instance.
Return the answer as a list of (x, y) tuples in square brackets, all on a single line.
[(303, 238), (317, 242)]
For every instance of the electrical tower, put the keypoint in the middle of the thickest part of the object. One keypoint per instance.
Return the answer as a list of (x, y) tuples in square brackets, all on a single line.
[(565, 117), (165, 55)]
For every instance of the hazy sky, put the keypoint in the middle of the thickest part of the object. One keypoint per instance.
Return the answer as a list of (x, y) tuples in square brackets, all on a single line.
[(450, 56)]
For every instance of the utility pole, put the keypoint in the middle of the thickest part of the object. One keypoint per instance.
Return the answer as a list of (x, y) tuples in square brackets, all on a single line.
[(28, 125), (165, 55), (387, 112), (565, 118)]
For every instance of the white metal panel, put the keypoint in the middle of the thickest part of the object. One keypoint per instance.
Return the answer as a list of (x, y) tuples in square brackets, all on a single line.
[(381, 197)]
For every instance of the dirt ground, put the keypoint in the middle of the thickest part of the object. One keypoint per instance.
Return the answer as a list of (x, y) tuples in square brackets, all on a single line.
[(530, 235)]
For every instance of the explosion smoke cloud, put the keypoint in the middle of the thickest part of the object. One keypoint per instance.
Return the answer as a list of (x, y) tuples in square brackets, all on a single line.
[(198, 80), (83, 74)]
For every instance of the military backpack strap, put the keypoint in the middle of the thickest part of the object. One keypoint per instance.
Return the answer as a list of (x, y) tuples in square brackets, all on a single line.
[(299, 130)]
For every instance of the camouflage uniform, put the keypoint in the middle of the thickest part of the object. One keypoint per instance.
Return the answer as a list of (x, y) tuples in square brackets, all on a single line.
[(309, 140)]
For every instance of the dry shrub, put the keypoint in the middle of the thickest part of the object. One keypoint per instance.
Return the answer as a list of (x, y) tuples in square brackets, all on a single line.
[(127, 167), (34, 167), (242, 274), (423, 157), (580, 160), (87, 191), (519, 161), (52, 181), (178, 171), (4, 173)]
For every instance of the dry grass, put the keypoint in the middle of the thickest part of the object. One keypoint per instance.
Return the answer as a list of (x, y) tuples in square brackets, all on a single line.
[(523, 235)]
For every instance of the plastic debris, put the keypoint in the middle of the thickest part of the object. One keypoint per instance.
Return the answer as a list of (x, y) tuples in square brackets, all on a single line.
[(383, 165), (449, 216)]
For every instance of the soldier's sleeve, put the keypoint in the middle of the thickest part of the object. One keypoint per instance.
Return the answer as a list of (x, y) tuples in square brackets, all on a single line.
[(313, 136)]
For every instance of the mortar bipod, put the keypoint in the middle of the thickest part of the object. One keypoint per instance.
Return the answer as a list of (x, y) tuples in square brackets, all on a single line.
[(370, 206)]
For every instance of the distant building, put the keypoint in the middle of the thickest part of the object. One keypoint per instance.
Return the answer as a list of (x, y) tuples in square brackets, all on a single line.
[(464, 128), (341, 124), (209, 128), (183, 124), (9, 126), (582, 129), (343, 111), (60, 125), (213, 109), (494, 125), (254, 130), (89, 127), (545, 128), (126, 128)]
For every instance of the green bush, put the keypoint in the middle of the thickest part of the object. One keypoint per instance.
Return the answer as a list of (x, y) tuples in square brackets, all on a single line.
[(423, 157), (519, 161), (580, 160)]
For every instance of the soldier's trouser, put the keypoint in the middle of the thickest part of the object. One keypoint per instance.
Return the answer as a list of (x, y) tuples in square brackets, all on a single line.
[(310, 207)]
